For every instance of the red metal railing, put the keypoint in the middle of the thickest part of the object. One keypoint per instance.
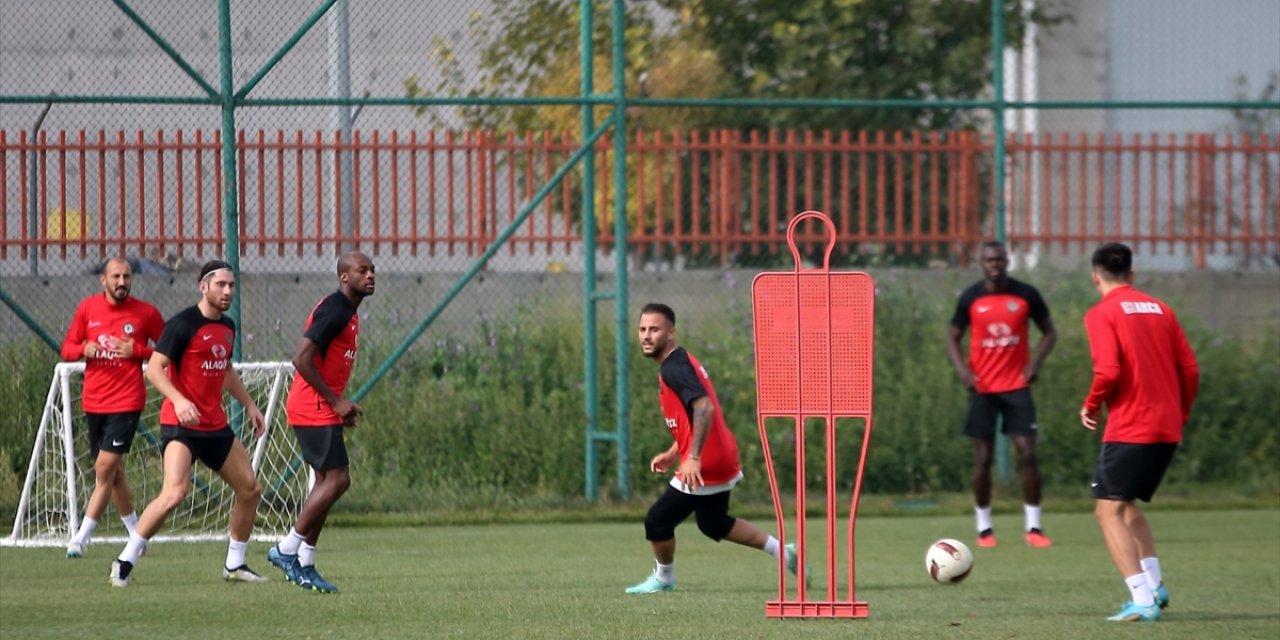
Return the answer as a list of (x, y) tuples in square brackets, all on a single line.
[(722, 195)]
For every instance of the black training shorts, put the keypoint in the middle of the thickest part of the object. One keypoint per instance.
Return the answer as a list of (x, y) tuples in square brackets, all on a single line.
[(1016, 406), (322, 447), (673, 506), (1129, 472), (112, 432), (209, 447)]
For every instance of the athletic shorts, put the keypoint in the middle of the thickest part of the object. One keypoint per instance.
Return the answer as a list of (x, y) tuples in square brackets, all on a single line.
[(112, 432), (674, 506), (209, 447), (1129, 472), (1016, 407), (322, 447)]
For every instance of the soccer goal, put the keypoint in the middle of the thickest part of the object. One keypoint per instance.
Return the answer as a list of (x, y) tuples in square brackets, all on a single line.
[(60, 475)]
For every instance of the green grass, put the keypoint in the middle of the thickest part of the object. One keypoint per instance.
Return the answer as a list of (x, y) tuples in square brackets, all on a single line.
[(566, 581)]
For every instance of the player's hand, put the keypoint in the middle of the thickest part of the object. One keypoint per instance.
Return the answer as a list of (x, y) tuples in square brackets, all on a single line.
[(259, 423), (91, 348), (121, 347), (968, 380), (1030, 372), (691, 474), (1089, 419), (661, 462), (187, 412)]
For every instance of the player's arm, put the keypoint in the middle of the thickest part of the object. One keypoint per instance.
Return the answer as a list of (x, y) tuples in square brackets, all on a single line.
[(1048, 338), (233, 385), (76, 345), (158, 375), (141, 347), (1188, 370), (1104, 349), (304, 362), (954, 336)]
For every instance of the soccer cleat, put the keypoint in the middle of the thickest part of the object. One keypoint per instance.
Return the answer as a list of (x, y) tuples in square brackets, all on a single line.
[(1162, 596), (1036, 538), (651, 585), (987, 538), (242, 573), (309, 578), (792, 557), (120, 571), (1134, 613), (75, 549), (287, 563)]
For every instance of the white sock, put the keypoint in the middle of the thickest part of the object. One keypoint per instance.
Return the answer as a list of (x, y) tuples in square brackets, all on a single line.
[(130, 522), (1151, 567), (1139, 589), (665, 573), (235, 552), (306, 555), (772, 547), (1033, 516), (984, 517), (289, 544), (132, 549), (86, 530)]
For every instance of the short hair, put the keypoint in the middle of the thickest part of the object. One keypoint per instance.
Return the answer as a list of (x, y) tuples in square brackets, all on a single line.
[(658, 307), (1115, 260), (993, 244), (214, 265)]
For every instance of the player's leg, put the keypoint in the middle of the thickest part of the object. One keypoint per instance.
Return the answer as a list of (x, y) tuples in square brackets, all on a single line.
[(1117, 476), (980, 426), (324, 449), (1155, 464), (660, 523), (1020, 425), (229, 459), (715, 522), (177, 482)]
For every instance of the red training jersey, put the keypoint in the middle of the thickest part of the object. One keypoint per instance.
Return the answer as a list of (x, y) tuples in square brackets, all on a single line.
[(199, 352), (999, 340), (113, 385), (681, 380), (334, 327), (1143, 368)]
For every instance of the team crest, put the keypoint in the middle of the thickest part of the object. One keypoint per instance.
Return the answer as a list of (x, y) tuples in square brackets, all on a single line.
[(219, 352), (128, 328), (1013, 306)]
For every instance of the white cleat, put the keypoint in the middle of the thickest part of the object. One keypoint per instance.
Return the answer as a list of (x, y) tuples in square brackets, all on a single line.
[(242, 574), (75, 549), (120, 571)]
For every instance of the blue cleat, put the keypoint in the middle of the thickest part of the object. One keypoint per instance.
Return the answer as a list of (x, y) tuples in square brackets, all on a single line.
[(1133, 613), (309, 578), (792, 557), (1162, 596), (285, 562), (652, 585)]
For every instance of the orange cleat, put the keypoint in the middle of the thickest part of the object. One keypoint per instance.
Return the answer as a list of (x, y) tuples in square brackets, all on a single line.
[(1036, 538), (987, 539)]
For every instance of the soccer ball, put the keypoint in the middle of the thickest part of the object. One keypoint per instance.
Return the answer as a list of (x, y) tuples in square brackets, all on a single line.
[(948, 561)]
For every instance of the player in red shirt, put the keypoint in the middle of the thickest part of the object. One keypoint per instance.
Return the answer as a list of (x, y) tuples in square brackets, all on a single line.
[(706, 453), (1147, 375), (998, 376), (191, 367), (319, 412), (113, 332)]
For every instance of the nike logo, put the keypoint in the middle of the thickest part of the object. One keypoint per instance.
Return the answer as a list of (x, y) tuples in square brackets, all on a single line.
[(983, 309), (205, 337), (94, 323), (117, 443), (1093, 484)]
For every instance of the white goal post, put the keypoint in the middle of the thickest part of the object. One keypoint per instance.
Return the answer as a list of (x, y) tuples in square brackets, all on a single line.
[(60, 476)]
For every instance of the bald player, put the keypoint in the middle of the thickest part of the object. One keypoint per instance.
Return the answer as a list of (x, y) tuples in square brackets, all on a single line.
[(319, 412)]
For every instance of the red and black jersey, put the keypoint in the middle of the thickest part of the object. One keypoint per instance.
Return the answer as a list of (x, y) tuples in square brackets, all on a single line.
[(113, 385), (1143, 368), (199, 352), (334, 327), (681, 380), (999, 348)]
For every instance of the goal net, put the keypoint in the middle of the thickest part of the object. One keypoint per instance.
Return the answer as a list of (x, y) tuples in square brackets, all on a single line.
[(60, 476)]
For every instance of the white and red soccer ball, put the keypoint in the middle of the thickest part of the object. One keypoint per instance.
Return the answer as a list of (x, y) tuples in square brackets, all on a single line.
[(948, 561)]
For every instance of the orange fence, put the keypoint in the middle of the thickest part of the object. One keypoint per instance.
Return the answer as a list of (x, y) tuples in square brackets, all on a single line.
[(717, 195)]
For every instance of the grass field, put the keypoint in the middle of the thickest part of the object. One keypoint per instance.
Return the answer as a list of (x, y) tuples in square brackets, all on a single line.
[(566, 581)]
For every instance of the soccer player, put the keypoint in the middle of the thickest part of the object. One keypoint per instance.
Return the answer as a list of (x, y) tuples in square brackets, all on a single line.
[(318, 413), (704, 451), (191, 367), (113, 332), (998, 376), (1147, 375)]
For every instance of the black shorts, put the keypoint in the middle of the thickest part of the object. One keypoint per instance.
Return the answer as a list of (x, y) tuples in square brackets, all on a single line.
[(673, 506), (322, 447), (1016, 406), (1129, 472), (112, 432), (209, 447)]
